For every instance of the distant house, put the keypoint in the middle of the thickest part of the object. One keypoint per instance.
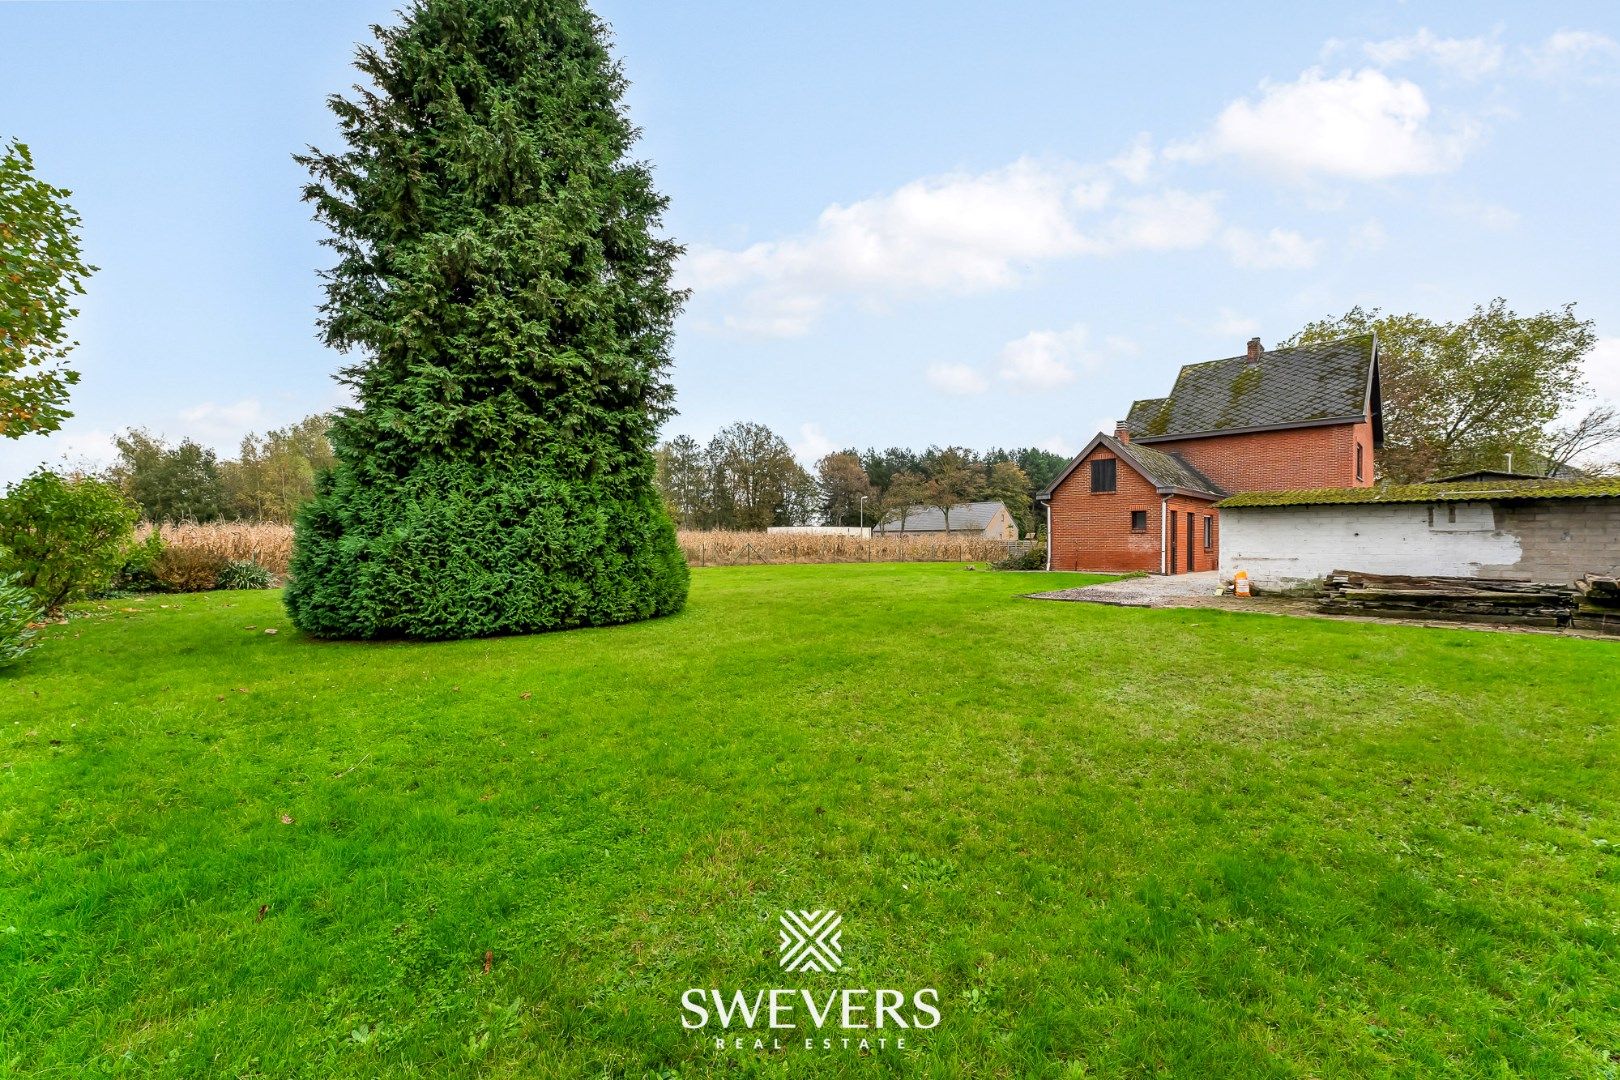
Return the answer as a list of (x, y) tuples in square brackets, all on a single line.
[(1145, 497), (991, 519)]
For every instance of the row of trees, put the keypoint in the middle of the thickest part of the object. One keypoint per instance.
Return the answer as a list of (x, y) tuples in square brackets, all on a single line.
[(747, 477), (273, 475)]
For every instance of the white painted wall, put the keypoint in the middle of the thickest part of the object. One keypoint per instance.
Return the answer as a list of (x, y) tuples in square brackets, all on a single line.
[(1283, 546)]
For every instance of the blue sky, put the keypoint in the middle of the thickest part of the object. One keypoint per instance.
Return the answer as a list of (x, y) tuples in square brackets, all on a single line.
[(908, 223)]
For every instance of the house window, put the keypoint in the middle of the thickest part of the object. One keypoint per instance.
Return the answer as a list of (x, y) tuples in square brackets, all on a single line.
[(1358, 462), (1138, 521), (1209, 533), (1102, 474)]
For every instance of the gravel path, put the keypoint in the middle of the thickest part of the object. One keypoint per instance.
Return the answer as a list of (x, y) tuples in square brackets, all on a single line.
[(1154, 591)]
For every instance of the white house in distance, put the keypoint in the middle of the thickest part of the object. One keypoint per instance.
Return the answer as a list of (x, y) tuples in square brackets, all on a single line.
[(988, 519)]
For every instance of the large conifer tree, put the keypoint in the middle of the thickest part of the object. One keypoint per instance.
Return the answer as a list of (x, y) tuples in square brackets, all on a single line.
[(501, 277)]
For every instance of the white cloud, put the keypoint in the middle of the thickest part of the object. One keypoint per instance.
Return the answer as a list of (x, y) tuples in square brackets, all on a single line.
[(1057, 444), (957, 234), (1045, 359), (1468, 58), (1369, 235), (1229, 324), (1165, 221), (1359, 126), (1573, 54), (1135, 162), (1278, 249), (956, 379), (1603, 368), (812, 444), (212, 421), (1486, 215)]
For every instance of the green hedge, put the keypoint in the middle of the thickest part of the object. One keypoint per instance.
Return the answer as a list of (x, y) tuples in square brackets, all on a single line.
[(454, 551)]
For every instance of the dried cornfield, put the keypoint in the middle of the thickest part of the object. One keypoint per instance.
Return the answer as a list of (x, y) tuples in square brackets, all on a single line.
[(270, 545), (727, 548), (263, 542)]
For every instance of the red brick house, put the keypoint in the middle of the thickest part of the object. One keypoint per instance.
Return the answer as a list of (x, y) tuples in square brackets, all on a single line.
[(1144, 498)]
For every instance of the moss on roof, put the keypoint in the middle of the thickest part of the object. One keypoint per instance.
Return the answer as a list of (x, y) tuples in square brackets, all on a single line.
[(1476, 491), (1295, 385)]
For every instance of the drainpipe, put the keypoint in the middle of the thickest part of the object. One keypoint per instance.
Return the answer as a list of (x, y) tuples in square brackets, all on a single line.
[(1049, 534), (1164, 525)]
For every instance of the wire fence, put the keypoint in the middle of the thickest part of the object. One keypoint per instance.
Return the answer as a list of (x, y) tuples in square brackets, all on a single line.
[(735, 548)]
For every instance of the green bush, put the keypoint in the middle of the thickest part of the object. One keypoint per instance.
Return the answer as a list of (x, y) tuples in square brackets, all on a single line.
[(64, 537), (243, 574), (1033, 559), (18, 609), (454, 550), (135, 575)]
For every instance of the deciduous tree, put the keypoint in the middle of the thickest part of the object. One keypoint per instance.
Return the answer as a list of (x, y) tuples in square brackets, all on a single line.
[(1009, 484), (169, 483), (757, 481), (274, 474), (954, 477), (41, 272), (907, 491), (1462, 395), (844, 485)]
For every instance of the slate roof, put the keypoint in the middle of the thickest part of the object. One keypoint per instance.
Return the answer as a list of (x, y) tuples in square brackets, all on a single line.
[(1473, 491), (972, 516), (1290, 387), (1164, 471)]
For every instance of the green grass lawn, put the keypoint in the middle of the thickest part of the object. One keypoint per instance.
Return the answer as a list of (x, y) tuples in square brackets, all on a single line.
[(1118, 842)]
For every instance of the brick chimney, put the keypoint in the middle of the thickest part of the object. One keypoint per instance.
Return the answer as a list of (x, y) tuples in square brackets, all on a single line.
[(1122, 430), (1255, 349)]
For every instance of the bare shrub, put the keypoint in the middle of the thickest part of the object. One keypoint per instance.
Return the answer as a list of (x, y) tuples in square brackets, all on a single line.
[(266, 543), (186, 569)]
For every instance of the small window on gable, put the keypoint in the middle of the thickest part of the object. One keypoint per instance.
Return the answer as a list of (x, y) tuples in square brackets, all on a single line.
[(1209, 532), (1359, 472), (1102, 474), (1138, 521)]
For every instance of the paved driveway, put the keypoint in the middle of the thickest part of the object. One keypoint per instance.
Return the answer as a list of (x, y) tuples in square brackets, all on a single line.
[(1155, 590)]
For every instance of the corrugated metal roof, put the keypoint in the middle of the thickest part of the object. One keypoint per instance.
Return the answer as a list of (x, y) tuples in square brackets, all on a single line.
[(973, 516), (1471, 491)]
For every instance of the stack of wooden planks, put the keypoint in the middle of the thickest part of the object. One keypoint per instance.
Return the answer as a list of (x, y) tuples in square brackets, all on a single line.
[(1598, 604), (1451, 599)]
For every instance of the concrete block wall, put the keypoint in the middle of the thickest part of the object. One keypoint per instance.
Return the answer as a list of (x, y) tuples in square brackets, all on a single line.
[(1560, 539)]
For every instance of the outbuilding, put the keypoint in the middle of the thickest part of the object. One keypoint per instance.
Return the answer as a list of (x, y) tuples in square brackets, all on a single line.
[(1542, 530)]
